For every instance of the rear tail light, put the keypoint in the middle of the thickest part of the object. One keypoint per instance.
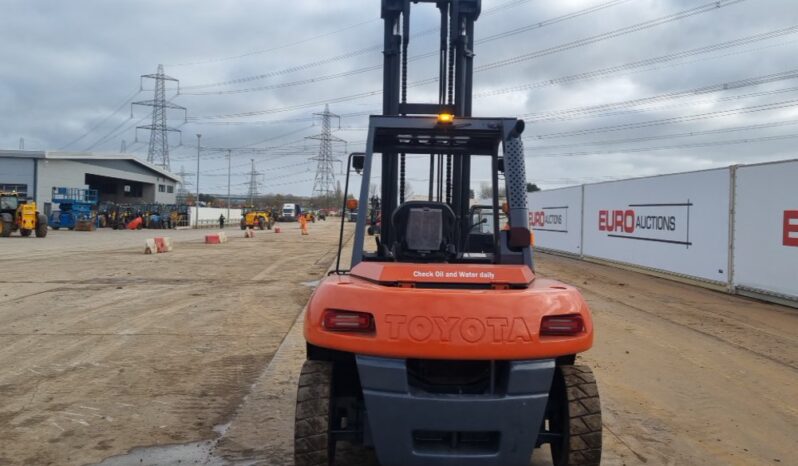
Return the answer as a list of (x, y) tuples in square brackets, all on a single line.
[(348, 321), (564, 325)]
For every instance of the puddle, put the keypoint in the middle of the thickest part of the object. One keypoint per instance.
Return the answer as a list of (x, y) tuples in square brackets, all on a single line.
[(176, 455), (169, 455), (221, 429)]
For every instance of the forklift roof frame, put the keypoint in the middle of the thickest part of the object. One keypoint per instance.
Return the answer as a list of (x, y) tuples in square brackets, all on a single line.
[(466, 136)]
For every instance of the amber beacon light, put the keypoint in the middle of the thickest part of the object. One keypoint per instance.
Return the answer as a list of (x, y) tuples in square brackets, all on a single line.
[(445, 118)]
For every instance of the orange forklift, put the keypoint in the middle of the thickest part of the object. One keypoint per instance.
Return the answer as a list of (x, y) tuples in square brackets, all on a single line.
[(439, 345)]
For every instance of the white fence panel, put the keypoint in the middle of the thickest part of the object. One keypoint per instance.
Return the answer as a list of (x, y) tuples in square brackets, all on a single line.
[(673, 223), (213, 213), (556, 218), (766, 228)]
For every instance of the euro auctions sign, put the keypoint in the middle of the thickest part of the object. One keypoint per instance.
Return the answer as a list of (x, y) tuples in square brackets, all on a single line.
[(791, 228), (549, 219), (766, 228), (555, 216), (672, 223), (658, 222)]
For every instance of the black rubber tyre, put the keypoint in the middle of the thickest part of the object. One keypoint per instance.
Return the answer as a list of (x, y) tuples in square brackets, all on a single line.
[(243, 224), (312, 444), (576, 414), (261, 223), (41, 226), (25, 232), (5, 228)]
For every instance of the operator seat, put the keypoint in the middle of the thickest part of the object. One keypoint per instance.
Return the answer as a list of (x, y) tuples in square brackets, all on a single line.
[(424, 232)]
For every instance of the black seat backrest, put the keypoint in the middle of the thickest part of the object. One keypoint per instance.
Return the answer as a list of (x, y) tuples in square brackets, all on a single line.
[(424, 232)]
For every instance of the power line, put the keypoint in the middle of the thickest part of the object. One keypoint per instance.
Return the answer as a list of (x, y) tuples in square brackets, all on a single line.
[(677, 146), (690, 103), (641, 63), (720, 87), (733, 129), (316, 79), (563, 79), (549, 22), (292, 69), (679, 119), (375, 48), (102, 121), (113, 133), (707, 7), (487, 12), (511, 61), (279, 47)]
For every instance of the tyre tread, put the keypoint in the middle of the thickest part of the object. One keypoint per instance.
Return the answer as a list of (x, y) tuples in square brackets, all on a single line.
[(312, 414), (584, 407)]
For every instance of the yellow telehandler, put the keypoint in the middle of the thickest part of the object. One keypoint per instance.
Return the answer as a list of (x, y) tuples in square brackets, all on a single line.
[(16, 213), (255, 218)]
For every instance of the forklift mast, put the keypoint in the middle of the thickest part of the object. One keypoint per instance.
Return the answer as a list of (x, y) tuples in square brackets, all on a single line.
[(456, 58)]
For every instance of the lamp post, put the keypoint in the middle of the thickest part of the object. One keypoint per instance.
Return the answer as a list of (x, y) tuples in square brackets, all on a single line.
[(196, 201), (228, 184)]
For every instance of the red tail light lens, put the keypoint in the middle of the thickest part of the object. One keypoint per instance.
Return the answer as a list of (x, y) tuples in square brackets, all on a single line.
[(348, 321), (564, 325)]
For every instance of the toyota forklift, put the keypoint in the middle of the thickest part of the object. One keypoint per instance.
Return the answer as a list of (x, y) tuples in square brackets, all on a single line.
[(439, 345)]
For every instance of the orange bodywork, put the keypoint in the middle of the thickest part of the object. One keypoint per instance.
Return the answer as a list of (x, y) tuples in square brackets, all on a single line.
[(448, 311)]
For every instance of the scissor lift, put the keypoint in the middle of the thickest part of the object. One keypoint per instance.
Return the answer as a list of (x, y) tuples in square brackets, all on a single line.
[(76, 206)]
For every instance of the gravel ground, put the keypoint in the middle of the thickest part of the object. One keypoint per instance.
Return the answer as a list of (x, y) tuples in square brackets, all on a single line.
[(192, 356)]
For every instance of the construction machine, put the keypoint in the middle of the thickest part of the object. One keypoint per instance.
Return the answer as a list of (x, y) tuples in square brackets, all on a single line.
[(256, 218), (17, 213), (433, 348), (77, 209)]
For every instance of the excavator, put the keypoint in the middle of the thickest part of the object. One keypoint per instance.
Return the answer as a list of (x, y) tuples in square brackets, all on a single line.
[(436, 347)]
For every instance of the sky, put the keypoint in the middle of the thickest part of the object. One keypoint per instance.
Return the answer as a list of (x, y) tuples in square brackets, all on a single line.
[(609, 89)]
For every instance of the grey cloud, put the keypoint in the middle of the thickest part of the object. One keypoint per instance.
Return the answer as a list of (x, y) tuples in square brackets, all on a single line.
[(66, 65)]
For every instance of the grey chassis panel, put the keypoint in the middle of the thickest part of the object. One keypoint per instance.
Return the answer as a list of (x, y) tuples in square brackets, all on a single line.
[(395, 411)]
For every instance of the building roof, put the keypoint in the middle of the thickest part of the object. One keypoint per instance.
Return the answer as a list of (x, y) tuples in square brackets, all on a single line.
[(86, 156)]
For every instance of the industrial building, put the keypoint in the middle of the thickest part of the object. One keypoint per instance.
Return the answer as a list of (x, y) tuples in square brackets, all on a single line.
[(119, 178)]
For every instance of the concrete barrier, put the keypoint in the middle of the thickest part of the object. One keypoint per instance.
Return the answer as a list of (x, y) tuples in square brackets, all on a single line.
[(216, 238), (156, 245), (163, 243)]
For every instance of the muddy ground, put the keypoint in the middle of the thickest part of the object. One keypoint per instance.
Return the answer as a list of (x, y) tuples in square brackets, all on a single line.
[(189, 357)]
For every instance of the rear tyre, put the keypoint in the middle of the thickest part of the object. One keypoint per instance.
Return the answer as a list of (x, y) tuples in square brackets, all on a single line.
[(243, 225), (261, 223), (575, 413), (41, 226), (25, 232), (313, 445), (5, 228)]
